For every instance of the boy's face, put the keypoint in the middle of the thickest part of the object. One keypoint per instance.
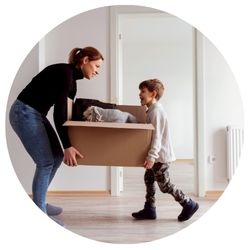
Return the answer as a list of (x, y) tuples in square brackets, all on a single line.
[(147, 97)]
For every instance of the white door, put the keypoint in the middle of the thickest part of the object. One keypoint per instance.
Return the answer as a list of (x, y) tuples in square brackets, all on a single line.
[(161, 46), (158, 45)]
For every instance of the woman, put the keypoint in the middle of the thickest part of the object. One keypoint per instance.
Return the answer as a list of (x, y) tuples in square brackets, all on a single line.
[(52, 86)]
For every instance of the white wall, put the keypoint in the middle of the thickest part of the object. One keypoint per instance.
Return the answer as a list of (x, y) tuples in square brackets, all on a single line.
[(87, 29), (223, 108), (161, 46), (21, 161)]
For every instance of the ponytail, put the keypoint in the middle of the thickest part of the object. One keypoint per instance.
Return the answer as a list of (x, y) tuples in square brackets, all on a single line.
[(77, 54)]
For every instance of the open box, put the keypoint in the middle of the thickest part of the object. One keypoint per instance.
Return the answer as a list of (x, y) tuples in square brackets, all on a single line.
[(111, 144)]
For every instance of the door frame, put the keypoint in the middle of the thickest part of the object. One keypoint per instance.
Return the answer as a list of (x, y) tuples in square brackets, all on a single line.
[(199, 99)]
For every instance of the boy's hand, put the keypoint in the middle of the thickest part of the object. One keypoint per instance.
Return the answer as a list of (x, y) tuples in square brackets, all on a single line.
[(148, 164)]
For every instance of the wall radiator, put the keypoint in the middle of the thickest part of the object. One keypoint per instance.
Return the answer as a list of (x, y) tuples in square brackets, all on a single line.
[(235, 138)]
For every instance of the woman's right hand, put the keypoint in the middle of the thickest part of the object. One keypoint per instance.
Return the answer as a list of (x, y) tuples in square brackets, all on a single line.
[(70, 155)]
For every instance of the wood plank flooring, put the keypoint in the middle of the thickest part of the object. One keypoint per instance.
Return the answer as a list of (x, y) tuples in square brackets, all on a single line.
[(108, 219)]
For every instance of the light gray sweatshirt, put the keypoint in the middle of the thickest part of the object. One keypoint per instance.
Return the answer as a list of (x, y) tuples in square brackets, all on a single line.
[(161, 149)]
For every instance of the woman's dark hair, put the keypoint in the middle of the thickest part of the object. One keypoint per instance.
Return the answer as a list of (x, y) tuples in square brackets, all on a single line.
[(77, 54)]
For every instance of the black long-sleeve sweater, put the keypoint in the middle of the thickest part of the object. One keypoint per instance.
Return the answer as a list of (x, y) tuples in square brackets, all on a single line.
[(52, 86)]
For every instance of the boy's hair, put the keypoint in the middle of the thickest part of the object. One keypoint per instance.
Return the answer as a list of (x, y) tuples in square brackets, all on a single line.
[(151, 85)]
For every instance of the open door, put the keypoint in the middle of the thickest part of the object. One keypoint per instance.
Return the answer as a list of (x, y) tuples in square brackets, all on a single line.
[(159, 45)]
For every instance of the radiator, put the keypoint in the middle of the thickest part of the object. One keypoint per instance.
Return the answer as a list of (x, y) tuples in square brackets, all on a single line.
[(235, 138)]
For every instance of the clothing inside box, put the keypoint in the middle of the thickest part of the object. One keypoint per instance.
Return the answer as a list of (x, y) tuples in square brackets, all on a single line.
[(82, 104)]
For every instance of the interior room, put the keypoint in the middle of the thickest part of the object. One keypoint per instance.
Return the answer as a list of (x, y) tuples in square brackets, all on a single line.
[(202, 101)]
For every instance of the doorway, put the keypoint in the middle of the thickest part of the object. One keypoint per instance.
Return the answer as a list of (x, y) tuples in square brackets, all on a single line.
[(158, 45)]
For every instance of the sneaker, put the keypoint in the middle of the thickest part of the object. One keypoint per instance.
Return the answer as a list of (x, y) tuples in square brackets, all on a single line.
[(188, 210), (147, 213), (53, 210)]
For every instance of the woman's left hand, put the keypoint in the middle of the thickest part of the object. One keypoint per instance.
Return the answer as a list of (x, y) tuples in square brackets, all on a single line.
[(70, 155)]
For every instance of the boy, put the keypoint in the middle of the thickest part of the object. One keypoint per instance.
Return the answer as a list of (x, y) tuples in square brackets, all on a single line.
[(159, 156)]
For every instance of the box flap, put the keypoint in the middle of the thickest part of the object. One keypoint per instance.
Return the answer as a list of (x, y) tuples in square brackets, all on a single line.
[(109, 125), (138, 111), (69, 108)]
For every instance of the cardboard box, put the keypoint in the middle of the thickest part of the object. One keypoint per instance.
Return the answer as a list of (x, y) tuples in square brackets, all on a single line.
[(111, 144)]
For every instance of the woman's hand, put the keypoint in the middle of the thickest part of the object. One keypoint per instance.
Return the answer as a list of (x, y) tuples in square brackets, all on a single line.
[(70, 155)]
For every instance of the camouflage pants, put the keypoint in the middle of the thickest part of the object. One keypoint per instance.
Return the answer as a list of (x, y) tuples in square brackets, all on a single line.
[(159, 173)]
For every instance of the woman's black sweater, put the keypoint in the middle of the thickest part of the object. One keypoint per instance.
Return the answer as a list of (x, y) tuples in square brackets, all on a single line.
[(52, 86)]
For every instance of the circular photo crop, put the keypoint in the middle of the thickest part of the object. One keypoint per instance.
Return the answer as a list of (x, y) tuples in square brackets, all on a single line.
[(124, 124)]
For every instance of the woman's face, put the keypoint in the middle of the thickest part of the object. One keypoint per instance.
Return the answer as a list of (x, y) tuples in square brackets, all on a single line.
[(90, 68)]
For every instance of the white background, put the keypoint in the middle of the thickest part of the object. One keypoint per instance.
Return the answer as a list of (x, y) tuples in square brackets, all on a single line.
[(225, 23)]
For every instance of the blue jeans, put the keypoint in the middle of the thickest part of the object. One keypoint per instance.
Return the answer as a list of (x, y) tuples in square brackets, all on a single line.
[(41, 142)]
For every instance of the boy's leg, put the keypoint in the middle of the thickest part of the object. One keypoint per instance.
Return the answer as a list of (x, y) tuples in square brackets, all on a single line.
[(165, 185), (149, 211), (162, 177), (149, 181)]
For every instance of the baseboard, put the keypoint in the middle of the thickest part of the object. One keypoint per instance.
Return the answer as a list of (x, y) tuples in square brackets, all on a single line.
[(185, 161), (77, 193), (214, 194)]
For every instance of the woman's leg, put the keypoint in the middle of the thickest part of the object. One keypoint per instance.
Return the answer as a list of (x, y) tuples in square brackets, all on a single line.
[(55, 147), (29, 126)]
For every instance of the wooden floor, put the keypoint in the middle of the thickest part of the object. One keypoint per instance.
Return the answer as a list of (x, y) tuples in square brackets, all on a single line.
[(108, 219)]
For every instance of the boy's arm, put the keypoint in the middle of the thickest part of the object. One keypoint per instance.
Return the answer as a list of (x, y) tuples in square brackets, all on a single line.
[(155, 147)]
